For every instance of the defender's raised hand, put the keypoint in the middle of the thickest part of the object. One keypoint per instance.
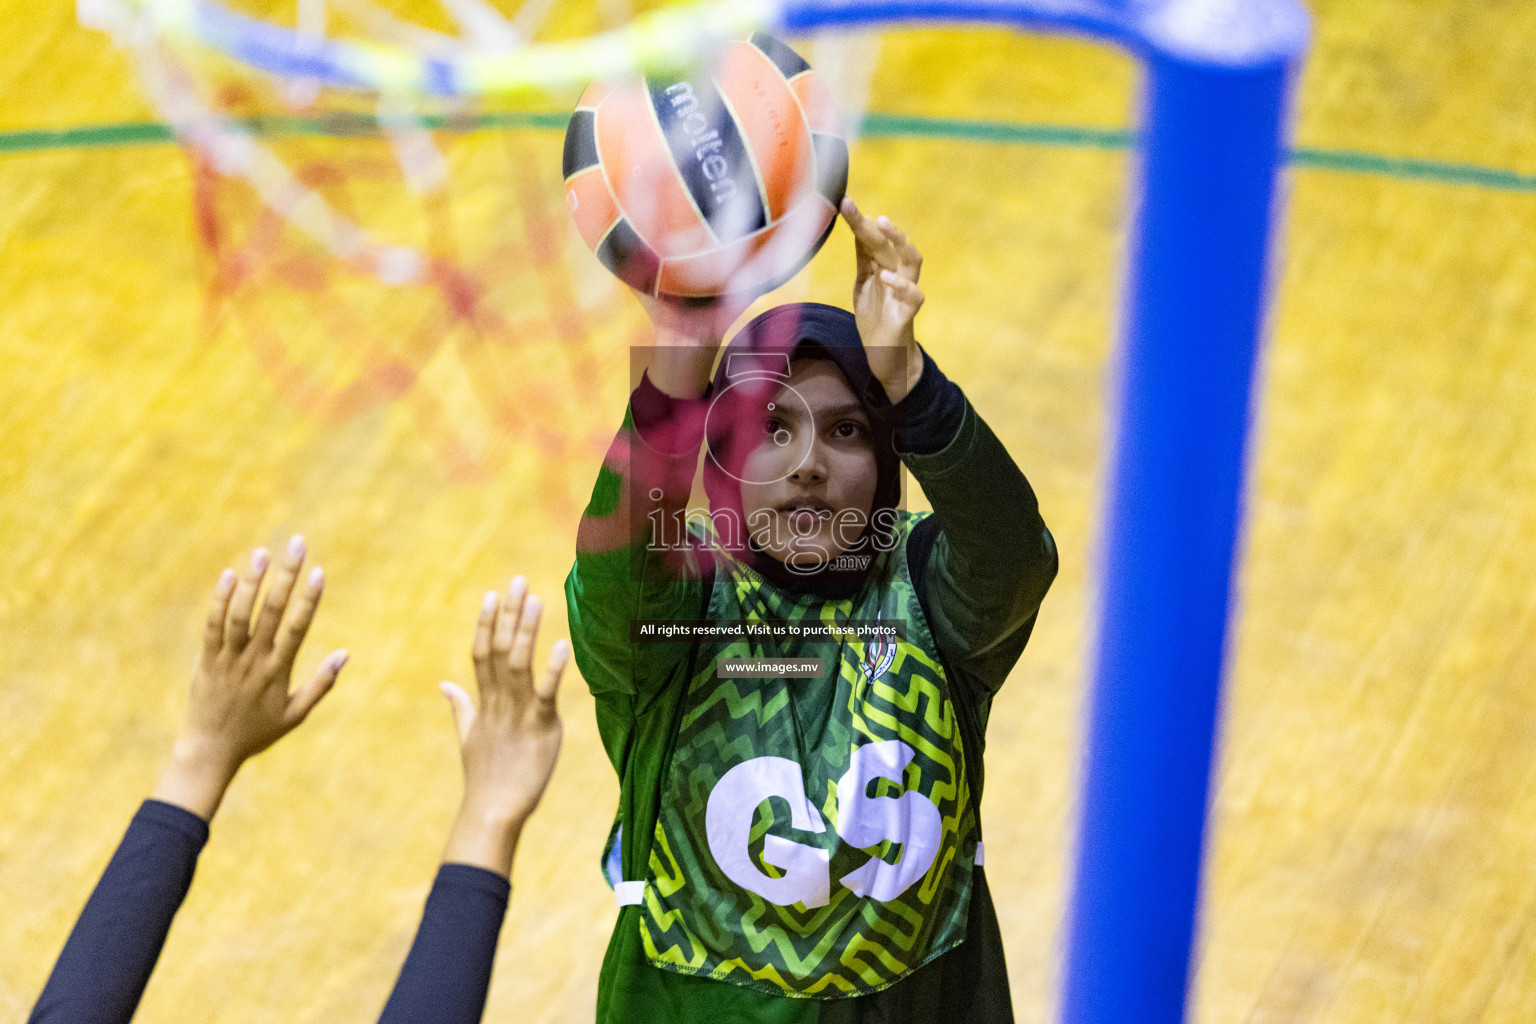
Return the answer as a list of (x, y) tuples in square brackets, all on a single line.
[(509, 741), (240, 702), (886, 298)]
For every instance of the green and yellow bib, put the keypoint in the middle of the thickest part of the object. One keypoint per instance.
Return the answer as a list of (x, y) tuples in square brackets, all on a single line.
[(816, 836)]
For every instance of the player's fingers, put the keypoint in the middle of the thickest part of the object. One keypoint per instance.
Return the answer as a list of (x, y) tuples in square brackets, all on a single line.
[(890, 233), (213, 633), (506, 621), (904, 256), (559, 657), (461, 706), (852, 214), (237, 628), (278, 592), (303, 700), (866, 235), (521, 658), (300, 618), (910, 259), (865, 231), (480, 650), (904, 289)]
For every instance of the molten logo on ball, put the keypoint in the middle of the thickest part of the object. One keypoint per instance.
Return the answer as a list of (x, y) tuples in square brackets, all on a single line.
[(704, 139)]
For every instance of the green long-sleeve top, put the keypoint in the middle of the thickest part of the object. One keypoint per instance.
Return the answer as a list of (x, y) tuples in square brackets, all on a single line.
[(980, 565)]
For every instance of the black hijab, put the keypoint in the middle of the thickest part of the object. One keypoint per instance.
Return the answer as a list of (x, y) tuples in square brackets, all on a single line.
[(752, 368)]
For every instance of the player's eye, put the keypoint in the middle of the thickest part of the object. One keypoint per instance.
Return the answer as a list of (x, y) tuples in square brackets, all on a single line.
[(849, 430), (776, 432)]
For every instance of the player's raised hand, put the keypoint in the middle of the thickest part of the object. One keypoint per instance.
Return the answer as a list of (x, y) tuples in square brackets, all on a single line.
[(886, 298), (241, 702), (687, 337), (509, 740), (694, 322)]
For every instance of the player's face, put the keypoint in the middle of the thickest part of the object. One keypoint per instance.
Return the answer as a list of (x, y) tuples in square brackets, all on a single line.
[(817, 457)]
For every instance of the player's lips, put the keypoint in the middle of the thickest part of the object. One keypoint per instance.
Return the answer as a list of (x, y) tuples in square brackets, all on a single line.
[(806, 504), (805, 511)]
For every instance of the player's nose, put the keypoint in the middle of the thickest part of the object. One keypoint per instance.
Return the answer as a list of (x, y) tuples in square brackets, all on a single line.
[(813, 470)]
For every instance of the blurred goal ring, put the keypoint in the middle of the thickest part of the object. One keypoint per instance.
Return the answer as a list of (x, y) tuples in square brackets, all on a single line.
[(1232, 33), (667, 37)]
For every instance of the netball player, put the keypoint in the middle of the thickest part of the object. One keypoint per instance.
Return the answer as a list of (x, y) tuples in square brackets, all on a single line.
[(804, 850)]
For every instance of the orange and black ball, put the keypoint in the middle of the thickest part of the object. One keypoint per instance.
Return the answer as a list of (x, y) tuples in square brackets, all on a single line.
[(721, 182)]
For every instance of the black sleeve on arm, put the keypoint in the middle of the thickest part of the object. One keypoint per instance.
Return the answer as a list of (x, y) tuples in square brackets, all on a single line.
[(982, 562), (448, 971), (101, 973), (931, 414)]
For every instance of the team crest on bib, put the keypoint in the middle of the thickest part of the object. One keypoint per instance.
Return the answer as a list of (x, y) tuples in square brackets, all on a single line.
[(879, 655)]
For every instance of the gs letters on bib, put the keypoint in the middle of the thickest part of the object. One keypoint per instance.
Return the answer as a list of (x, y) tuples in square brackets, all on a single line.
[(910, 821)]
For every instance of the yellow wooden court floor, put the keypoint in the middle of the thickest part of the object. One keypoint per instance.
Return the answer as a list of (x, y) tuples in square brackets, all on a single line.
[(1373, 852)]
